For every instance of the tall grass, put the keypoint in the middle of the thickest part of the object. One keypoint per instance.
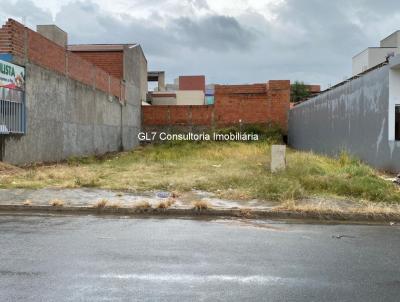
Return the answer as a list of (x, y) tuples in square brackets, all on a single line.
[(233, 170)]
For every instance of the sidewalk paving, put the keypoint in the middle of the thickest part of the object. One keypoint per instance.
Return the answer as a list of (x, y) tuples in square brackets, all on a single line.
[(88, 197), (86, 200)]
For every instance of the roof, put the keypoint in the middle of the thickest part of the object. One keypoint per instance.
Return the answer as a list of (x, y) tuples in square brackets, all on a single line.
[(98, 47), (373, 47), (345, 81)]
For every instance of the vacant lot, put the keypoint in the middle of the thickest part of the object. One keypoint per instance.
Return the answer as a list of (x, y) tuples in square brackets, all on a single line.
[(233, 170)]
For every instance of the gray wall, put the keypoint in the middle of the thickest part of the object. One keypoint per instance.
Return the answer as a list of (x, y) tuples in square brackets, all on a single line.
[(67, 118), (351, 117), (135, 76)]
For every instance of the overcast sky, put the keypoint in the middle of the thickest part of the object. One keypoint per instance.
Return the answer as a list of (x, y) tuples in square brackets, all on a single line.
[(230, 41)]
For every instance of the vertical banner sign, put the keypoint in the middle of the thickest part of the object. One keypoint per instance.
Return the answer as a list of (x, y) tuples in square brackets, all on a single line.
[(12, 76)]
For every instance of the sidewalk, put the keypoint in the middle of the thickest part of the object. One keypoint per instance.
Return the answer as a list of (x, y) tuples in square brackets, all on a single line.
[(191, 204)]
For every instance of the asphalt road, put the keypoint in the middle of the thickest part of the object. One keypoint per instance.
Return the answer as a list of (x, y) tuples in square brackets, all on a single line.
[(87, 258)]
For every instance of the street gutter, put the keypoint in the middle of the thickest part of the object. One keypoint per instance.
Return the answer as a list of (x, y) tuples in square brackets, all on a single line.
[(322, 216)]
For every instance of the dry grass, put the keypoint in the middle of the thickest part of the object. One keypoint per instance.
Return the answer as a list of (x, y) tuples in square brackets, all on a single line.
[(241, 173), (102, 203), (142, 205), (8, 169), (56, 203), (328, 207), (165, 204), (245, 212), (27, 202), (114, 205), (200, 205)]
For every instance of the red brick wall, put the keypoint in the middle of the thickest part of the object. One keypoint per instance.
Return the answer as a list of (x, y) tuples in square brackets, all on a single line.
[(12, 38), (110, 61), (250, 104), (186, 115), (26, 44), (192, 83), (80, 69), (5, 39), (45, 52)]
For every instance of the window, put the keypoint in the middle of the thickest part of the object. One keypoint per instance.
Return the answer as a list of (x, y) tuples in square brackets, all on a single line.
[(397, 123)]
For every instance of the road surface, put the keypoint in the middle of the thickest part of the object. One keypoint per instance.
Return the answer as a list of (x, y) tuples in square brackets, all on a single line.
[(89, 258)]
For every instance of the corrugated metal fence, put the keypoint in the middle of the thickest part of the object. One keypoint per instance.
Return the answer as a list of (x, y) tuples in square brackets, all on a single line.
[(12, 111)]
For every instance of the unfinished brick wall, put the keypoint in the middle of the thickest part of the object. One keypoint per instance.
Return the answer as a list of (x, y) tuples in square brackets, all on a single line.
[(110, 61), (252, 104), (170, 115), (234, 104), (12, 38), (26, 45)]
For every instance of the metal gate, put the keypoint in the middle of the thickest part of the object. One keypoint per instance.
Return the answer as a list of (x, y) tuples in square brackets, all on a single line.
[(12, 111)]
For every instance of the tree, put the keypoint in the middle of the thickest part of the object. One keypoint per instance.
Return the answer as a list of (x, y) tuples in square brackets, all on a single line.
[(299, 92)]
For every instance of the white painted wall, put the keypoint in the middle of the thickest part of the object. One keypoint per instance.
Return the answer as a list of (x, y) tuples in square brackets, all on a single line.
[(190, 97), (391, 41), (162, 98), (371, 57), (360, 62), (394, 98)]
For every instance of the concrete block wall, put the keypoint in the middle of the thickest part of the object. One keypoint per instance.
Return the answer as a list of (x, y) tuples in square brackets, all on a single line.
[(74, 108), (136, 91), (352, 117), (64, 118)]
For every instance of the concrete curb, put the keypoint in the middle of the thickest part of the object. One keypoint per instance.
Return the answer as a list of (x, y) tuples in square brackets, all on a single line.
[(221, 212)]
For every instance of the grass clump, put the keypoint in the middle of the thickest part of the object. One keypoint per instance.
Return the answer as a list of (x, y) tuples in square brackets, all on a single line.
[(101, 204), (200, 205), (142, 206), (56, 203), (165, 204)]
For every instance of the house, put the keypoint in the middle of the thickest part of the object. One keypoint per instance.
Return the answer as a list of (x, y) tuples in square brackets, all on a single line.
[(360, 116), (187, 90), (373, 56)]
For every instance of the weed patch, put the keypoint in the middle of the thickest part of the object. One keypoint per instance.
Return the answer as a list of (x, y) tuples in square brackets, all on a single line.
[(232, 170)]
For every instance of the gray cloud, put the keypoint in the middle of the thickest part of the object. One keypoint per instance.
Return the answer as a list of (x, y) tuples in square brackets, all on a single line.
[(24, 10), (214, 32), (310, 40)]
